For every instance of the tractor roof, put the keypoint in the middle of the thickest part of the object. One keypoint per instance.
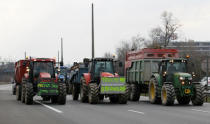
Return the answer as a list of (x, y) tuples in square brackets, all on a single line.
[(102, 59)]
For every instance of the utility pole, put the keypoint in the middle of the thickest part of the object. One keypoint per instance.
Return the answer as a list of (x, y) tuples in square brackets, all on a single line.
[(93, 31), (58, 59), (61, 63), (25, 54)]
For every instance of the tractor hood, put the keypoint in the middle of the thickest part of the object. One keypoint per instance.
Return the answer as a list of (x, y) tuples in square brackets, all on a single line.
[(44, 75), (184, 75), (107, 74)]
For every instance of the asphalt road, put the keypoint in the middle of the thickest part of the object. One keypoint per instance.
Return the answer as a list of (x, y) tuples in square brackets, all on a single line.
[(75, 112)]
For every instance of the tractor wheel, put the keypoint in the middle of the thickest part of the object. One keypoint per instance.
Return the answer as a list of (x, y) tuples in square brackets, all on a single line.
[(29, 93), (114, 99), (134, 92), (23, 92), (18, 92), (54, 99), (93, 93), (167, 94), (62, 94), (154, 92), (14, 89), (83, 91), (123, 98), (198, 97), (75, 92), (183, 100)]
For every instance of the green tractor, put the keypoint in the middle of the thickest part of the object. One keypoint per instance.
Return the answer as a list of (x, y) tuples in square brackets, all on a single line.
[(172, 81)]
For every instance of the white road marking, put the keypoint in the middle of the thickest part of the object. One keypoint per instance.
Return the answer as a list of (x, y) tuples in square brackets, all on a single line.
[(136, 112), (49, 107), (198, 110)]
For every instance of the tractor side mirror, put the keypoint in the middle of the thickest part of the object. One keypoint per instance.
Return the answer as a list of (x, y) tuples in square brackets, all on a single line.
[(120, 64)]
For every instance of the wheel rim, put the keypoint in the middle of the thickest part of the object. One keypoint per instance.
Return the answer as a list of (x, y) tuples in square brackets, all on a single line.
[(152, 91), (164, 95)]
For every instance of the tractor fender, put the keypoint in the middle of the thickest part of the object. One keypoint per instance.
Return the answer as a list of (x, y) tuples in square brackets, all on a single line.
[(87, 77), (157, 78)]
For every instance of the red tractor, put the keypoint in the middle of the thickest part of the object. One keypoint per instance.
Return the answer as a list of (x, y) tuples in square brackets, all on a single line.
[(37, 77), (102, 81)]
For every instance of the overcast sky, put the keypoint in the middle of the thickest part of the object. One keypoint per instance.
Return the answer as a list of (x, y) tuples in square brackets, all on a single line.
[(36, 26)]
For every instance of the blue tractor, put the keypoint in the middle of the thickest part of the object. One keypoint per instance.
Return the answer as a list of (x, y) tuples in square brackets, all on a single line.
[(76, 72), (62, 75)]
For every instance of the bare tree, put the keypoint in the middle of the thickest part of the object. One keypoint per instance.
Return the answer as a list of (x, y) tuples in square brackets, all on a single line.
[(136, 42), (162, 35), (108, 55)]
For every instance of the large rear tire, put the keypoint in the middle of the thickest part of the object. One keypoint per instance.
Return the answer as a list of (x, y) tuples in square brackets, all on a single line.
[(62, 94), (198, 97), (183, 100), (75, 92), (123, 98), (154, 92), (29, 93), (83, 91), (134, 92), (167, 94), (18, 92), (93, 93)]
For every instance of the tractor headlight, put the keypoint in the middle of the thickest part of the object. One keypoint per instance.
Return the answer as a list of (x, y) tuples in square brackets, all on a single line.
[(181, 78)]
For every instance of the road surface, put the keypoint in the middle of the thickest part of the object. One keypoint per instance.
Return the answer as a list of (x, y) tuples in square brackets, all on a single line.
[(75, 112)]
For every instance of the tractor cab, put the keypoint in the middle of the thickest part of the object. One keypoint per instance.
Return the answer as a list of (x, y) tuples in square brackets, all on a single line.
[(174, 67), (41, 68), (99, 65)]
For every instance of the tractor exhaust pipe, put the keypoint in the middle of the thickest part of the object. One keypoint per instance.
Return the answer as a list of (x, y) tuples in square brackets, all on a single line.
[(61, 63), (93, 54)]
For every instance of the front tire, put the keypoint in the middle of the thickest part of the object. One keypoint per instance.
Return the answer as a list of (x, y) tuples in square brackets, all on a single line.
[(134, 92), (198, 97), (83, 91), (93, 93), (123, 98), (167, 94), (62, 94), (154, 92)]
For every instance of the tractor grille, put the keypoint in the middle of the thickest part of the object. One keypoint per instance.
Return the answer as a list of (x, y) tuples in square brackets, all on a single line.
[(187, 82)]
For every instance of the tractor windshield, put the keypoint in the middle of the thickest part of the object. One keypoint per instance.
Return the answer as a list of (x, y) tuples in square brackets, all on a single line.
[(176, 66), (46, 67), (103, 66)]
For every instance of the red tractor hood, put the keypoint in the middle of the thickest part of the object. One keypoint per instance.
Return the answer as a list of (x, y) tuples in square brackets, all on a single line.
[(107, 74), (44, 75)]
